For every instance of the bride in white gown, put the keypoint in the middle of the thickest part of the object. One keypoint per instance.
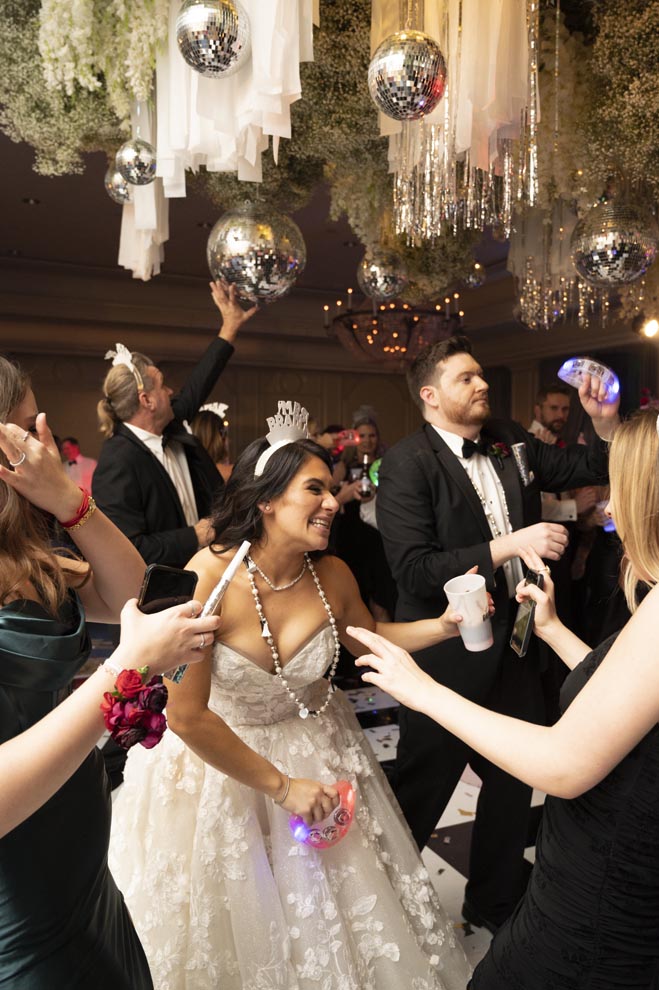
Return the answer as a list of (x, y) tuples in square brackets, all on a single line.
[(231, 901)]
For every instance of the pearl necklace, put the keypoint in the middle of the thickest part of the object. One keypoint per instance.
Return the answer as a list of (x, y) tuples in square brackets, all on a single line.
[(303, 711), (253, 566)]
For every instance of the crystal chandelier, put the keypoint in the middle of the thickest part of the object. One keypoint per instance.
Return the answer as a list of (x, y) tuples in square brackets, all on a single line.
[(392, 333)]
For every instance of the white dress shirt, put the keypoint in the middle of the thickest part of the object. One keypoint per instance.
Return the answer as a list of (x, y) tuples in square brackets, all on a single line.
[(173, 459), (483, 475)]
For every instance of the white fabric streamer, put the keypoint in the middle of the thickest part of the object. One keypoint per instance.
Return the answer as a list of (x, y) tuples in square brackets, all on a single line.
[(144, 221)]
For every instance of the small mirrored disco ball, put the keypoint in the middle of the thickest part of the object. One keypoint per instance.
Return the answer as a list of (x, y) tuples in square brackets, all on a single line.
[(214, 36), (381, 275), (407, 75), (117, 187), (136, 161)]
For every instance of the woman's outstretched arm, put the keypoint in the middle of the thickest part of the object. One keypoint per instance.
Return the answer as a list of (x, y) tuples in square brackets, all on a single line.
[(35, 764), (616, 708)]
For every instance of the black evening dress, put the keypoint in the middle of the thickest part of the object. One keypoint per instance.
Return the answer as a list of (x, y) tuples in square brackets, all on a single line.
[(590, 917), (63, 922)]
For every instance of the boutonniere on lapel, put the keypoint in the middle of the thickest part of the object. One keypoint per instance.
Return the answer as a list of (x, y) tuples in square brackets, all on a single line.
[(498, 450)]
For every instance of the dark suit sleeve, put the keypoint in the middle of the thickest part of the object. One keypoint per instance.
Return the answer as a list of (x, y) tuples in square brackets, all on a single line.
[(201, 380), (418, 532), (117, 489), (560, 468)]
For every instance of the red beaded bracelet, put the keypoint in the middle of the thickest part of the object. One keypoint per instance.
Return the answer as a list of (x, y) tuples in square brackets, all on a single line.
[(87, 506)]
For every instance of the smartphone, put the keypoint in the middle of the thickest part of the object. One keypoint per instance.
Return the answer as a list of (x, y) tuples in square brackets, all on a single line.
[(523, 627), (166, 586)]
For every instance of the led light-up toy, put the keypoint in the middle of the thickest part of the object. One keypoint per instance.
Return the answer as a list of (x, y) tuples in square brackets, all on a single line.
[(322, 835), (575, 369)]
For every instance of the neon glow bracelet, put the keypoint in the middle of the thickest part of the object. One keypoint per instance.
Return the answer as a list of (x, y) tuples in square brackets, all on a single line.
[(216, 596)]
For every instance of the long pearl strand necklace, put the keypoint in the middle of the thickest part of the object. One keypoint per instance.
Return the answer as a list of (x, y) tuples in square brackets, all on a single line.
[(302, 709)]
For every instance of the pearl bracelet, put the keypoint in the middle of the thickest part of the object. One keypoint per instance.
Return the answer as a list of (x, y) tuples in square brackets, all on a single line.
[(112, 666), (286, 790)]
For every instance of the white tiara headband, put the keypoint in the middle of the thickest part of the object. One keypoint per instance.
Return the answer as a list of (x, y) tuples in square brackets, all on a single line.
[(288, 425), (123, 356), (219, 408)]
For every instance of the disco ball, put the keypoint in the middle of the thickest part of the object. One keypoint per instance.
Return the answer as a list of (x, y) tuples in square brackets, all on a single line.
[(136, 161), (614, 244), (116, 186), (381, 275), (476, 278), (213, 36), (407, 75), (257, 249)]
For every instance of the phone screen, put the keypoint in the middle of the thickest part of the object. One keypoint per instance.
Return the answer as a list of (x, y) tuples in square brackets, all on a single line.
[(523, 627), (166, 586)]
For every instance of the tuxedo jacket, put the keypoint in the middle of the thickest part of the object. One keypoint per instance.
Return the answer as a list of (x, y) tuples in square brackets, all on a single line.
[(133, 488), (434, 528)]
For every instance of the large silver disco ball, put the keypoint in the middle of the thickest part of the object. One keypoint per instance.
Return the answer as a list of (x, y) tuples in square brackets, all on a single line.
[(407, 75), (116, 186), (214, 36), (257, 249), (381, 275), (136, 161), (615, 243)]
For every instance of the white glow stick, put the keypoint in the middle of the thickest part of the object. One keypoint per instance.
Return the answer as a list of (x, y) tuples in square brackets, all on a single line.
[(216, 596)]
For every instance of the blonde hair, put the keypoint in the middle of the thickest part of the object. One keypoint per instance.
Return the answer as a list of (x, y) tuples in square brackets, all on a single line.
[(121, 398), (634, 471), (26, 556), (207, 427)]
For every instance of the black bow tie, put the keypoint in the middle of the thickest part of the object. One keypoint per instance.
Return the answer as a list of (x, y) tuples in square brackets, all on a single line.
[(72, 462), (469, 447)]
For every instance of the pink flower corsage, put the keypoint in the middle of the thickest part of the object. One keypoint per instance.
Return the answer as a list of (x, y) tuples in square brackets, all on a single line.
[(133, 711)]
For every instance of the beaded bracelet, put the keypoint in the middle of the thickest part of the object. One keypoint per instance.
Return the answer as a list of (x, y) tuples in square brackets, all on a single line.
[(286, 790), (133, 710), (86, 509)]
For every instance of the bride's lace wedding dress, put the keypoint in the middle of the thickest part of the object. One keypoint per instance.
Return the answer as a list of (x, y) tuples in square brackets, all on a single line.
[(224, 898)]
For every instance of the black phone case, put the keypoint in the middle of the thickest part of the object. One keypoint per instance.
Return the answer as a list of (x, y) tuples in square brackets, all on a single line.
[(165, 586), (521, 645)]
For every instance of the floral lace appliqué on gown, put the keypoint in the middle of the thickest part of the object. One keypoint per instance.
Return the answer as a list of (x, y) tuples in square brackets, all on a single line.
[(221, 894)]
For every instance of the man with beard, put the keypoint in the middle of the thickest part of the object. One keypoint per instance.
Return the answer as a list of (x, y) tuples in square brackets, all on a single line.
[(451, 496)]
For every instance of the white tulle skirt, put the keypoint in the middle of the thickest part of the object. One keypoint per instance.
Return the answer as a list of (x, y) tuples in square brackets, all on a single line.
[(224, 898)]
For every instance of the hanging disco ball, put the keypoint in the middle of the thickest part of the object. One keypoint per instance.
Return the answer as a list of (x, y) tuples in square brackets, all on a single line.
[(381, 275), (615, 243), (407, 75), (257, 249), (116, 186), (136, 161), (213, 36), (477, 277)]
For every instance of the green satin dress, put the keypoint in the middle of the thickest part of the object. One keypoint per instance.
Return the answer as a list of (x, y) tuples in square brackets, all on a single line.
[(63, 922)]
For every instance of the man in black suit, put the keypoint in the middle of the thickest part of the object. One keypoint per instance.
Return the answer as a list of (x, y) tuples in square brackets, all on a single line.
[(451, 496), (154, 479)]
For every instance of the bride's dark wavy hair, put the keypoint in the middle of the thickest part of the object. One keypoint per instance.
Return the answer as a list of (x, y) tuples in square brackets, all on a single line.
[(236, 516)]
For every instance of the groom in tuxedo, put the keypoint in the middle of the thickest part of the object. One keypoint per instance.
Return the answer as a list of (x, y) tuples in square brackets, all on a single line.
[(452, 496)]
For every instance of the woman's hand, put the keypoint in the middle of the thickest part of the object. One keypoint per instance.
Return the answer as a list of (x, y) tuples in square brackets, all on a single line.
[(450, 619), (545, 607), (310, 800), (38, 473), (164, 640), (349, 492), (393, 669)]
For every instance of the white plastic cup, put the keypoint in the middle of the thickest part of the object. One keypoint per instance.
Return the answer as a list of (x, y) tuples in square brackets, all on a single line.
[(467, 596)]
